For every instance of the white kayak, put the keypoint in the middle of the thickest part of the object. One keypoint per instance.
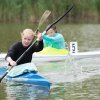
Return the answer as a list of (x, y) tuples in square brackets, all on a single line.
[(52, 58), (2, 56), (48, 58), (49, 55)]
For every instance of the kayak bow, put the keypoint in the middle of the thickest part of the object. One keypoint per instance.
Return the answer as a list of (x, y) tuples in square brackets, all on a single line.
[(27, 78)]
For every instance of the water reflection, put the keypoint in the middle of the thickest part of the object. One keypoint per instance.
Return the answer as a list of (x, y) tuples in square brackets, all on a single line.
[(2, 92), (84, 90), (72, 70), (71, 80), (26, 92)]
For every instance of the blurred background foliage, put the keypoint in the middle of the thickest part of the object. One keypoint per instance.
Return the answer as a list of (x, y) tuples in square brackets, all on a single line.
[(29, 11)]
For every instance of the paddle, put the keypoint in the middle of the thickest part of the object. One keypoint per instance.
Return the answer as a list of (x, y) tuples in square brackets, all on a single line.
[(43, 18)]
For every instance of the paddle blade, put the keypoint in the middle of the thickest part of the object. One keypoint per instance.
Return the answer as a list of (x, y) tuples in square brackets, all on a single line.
[(44, 17)]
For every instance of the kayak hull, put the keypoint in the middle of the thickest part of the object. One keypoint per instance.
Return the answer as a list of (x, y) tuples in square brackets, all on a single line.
[(51, 58), (27, 78), (48, 58)]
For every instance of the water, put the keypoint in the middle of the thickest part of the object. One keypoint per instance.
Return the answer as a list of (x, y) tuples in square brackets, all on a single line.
[(25, 92), (73, 79)]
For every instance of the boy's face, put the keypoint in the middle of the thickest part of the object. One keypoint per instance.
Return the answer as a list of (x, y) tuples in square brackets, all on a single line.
[(26, 39)]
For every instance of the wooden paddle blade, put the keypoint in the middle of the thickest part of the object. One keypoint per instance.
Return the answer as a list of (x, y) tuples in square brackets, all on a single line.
[(44, 17)]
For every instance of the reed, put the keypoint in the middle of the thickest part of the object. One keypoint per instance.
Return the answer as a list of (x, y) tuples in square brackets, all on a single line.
[(26, 11)]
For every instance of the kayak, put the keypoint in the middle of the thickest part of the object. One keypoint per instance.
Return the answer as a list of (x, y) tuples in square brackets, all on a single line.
[(54, 58), (48, 58), (29, 77), (46, 55), (53, 55), (50, 54)]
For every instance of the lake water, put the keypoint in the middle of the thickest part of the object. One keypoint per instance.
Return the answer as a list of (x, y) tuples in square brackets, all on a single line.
[(73, 79)]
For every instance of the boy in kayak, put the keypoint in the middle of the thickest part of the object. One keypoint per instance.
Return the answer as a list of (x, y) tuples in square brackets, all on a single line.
[(54, 39), (18, 48)]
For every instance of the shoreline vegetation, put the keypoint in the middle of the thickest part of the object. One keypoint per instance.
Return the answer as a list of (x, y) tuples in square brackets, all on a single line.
[(30, 11)]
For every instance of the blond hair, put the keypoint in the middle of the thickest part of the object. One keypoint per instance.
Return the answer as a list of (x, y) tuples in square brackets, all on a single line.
[(28, 31)]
